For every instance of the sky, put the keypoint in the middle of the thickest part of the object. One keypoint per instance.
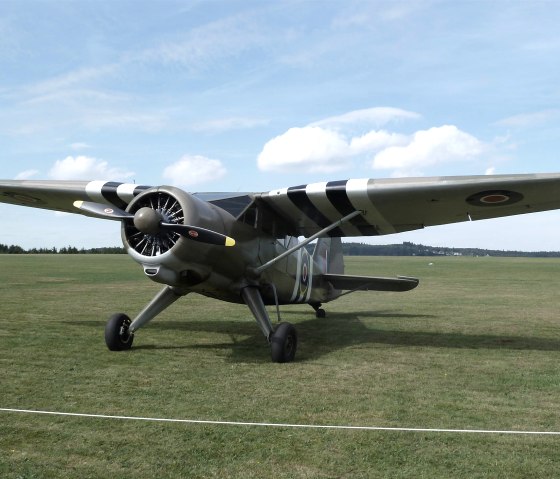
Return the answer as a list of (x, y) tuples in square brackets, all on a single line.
[(220, 95)]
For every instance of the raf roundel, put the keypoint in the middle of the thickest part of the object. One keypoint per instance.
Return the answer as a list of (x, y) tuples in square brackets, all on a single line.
[(24, 199), (193, 234), (494, 198)]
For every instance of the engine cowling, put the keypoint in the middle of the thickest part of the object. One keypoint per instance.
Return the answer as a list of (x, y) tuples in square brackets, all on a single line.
[(166, 256)]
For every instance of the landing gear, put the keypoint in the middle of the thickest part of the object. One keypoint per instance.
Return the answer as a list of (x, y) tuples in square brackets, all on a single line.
[(319, 312), (119, 330), (283, 343), (117, 334)]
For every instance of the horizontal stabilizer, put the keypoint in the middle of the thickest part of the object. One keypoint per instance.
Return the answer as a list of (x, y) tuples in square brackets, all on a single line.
[(371, 283)]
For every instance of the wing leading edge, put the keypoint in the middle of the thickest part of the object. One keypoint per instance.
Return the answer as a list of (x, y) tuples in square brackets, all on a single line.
[(404, 204)]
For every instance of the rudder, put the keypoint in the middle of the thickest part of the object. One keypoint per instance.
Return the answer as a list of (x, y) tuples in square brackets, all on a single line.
[(328, 257)]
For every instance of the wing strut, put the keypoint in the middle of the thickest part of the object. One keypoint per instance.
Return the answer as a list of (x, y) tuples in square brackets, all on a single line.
[(288, 252)]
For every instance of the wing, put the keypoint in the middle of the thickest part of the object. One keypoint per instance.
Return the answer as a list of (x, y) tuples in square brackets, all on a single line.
[(386, 205), (60, 195), (404, 204)]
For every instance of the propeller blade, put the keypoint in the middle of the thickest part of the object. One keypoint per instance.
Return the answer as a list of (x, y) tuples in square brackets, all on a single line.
[(199, 234), (147, 221), (103, 211)]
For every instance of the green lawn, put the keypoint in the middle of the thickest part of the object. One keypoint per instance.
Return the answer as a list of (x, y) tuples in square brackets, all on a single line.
[(476, 345)]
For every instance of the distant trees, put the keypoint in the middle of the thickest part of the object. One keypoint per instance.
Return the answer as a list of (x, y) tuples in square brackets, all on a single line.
[(12, 249), (349, 249), (411, 249)]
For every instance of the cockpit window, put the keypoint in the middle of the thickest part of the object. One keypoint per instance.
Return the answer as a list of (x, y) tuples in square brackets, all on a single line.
[(233, 205)]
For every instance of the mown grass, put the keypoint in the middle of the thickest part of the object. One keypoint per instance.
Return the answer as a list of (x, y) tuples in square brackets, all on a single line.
[(477, 345)]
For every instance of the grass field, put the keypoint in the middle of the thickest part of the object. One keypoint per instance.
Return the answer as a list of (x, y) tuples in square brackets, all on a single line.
[(476, 345)]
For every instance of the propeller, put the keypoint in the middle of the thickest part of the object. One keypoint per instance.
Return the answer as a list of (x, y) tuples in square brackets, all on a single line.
[(152, 222)]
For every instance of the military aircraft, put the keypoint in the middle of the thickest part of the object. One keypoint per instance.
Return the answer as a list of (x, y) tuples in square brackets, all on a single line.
[(244, 247)]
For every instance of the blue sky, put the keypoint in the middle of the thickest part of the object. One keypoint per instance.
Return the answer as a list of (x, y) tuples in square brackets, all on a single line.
[(257, 95)]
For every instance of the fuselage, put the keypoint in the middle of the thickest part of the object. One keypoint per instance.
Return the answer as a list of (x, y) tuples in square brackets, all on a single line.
[(221, 273)]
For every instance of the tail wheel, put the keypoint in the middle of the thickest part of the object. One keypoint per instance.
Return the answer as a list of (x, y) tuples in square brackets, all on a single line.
[(283, 343), (117, 335)]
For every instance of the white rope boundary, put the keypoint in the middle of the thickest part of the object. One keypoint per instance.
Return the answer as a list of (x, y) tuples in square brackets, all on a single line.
[(281, 425)]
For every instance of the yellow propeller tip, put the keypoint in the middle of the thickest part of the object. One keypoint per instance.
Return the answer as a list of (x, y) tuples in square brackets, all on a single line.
[(78, 204), (230, 241)]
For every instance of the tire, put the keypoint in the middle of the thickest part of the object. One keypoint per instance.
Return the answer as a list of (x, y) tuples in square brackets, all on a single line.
[(117, 336), (283, 344), (320, 313)]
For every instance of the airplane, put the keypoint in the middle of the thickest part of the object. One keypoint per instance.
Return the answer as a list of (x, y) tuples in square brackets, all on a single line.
[(245, 247)]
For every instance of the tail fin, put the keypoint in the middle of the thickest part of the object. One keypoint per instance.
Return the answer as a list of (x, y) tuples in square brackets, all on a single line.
[(327, 256)]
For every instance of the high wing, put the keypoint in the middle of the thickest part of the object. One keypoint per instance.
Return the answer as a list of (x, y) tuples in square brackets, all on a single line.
[(386, 205), (61, 195), (403, 204)]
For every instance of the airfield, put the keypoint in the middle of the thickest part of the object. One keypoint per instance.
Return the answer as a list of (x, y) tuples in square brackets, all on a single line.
[(475, 347)]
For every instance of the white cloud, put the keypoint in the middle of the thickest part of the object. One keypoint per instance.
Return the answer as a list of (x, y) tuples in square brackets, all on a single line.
[(375, 141), (530, 119), (68, 80), (310, 147), (86, 168), (377, 116), (79, 146), (75, 97), (437, 145), (208, 45), (192, 170), (25, 175), (371, 15), (98, 119), (333, 143), (228, 124), (329, 145)]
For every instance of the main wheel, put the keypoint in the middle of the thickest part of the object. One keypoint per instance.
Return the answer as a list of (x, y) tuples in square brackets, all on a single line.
[(283, 343), (117, 336), (320, 313)]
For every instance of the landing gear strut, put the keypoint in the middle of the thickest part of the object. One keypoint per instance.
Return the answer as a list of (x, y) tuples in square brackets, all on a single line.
[(283, 341), (119, 330)]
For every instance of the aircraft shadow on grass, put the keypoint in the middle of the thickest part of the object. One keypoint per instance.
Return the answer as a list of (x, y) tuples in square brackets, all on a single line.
[(318, 337)]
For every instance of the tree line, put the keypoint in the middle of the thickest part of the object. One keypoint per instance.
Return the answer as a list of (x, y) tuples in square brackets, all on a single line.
[(348, 249), (14, 249), (411, 249)]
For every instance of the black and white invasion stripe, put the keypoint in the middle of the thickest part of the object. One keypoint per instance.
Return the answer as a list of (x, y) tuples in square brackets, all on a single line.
[(315, 206), (110, 192)]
